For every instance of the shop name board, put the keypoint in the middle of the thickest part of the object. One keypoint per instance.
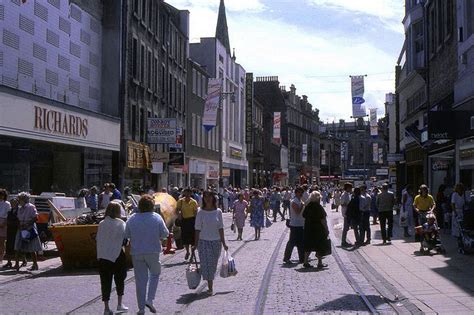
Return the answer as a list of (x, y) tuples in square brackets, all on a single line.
[(237, 153), (161, 130), (440, 165), (248, 107), (55, 121), (441, 126)]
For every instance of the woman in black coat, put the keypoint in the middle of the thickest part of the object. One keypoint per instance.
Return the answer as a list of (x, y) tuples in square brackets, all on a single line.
[(315, 230)]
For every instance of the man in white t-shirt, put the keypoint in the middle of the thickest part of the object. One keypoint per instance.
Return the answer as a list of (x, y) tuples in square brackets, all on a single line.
[(345, 199)]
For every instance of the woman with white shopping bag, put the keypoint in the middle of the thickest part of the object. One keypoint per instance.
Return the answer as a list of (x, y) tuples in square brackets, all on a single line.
[(209, 238)]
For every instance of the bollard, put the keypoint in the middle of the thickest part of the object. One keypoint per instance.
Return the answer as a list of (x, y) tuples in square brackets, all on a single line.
[(169, 249)]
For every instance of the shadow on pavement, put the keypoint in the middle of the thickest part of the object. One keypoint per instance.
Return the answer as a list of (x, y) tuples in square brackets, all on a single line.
[(192, 297), (346, 303), (183, 263)]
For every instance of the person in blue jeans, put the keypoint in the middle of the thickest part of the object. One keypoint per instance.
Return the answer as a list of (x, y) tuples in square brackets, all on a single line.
[(275, 203), (146, 229)]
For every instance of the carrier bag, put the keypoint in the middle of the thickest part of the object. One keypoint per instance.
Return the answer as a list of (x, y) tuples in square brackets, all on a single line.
[(193, 275), (224, 273)]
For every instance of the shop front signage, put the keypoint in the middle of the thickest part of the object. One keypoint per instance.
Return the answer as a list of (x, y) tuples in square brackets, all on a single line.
[(439, 165), (226, 172), (236, 153), (162, 157), (441, 126), (50, 120), (138, 155), (381, 172), (176, 159), (161, 130), (23, 118), (179, 140)]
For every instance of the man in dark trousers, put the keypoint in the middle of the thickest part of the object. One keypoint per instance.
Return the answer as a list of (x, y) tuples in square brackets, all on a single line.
[(385, 204)]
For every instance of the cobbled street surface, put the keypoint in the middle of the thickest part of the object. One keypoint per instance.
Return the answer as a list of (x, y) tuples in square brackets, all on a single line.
[(286, 290), (391, 279)]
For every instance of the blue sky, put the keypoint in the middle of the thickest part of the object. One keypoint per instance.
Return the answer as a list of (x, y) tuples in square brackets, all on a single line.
[(314, 44)]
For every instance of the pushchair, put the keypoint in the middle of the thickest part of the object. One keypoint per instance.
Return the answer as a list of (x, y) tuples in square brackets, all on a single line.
[(466, 231), (429, 236)]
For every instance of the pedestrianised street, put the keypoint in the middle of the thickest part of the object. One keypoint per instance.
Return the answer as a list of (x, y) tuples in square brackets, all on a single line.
[(236, 157)]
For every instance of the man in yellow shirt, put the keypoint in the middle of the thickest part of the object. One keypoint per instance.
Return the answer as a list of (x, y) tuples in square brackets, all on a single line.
[(187, 209), (423, 204)]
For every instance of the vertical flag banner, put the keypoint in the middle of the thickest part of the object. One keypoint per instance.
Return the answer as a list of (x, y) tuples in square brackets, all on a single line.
[(380, 155), (375, 153), (304, 158), (211, 107), (323, 157), (374, 129), (277, 126), (357, 88)]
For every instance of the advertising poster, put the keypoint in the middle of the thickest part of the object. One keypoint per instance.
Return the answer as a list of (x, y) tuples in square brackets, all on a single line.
[(161, 130)]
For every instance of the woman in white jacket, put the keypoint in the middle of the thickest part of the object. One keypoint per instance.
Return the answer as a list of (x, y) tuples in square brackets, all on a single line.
[(112, 263)]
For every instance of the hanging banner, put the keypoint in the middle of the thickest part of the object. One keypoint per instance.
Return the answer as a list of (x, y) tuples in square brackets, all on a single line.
[(304, 158), (323, 157), (375, 152), (248, 107), (277, 127), (343, 151), (380, 155), (357, 88), (211, 106), (374, 128)]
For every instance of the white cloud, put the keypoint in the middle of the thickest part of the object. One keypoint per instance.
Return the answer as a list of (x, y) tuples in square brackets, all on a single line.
[(390, 12), (231, 5), (304, 58)]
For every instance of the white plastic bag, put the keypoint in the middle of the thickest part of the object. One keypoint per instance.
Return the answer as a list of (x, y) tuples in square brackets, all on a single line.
[(224, 273), (193, 276), (228, 268)]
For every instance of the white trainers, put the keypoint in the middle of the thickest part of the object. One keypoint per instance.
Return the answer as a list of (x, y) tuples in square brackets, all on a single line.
[(122, 308)]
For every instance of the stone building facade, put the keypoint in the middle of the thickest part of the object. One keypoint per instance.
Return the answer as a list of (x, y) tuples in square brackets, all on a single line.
[(155, 53)]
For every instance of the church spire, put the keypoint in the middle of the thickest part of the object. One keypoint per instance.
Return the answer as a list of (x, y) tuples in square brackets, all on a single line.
[(222, 32)]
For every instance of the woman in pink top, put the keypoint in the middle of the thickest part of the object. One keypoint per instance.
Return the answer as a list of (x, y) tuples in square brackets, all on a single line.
[(27, 239), (240, 214)]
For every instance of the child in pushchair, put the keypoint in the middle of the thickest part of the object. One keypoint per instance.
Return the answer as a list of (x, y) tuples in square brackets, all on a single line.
[(466, 235), (430, 236)]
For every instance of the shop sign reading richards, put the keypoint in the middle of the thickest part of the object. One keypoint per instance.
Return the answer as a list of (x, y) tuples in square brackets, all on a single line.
[(25, 118), (55, 121), (161, 130)]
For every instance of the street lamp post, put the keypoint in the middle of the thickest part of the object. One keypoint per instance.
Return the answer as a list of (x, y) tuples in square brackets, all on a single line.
[(222, 96)]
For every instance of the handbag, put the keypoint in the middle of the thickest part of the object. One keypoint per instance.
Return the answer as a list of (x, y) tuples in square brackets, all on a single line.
[(287, 222), (193, 275), (232, 226)]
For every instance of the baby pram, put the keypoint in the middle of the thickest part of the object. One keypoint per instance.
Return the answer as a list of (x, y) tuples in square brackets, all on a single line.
[(466, 231), (429, 237)]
